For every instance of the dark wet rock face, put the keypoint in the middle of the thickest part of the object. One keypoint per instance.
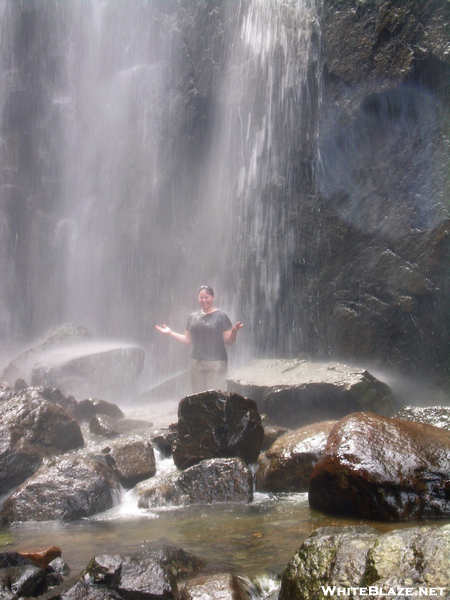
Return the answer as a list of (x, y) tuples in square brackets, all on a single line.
[(64, 489), (89, 407), (385, 469), (288, 464), (43, 424), (21, 577), (31, 428), (149, 574), (217, 424), (295, 392), (361, 557), (211, 481)]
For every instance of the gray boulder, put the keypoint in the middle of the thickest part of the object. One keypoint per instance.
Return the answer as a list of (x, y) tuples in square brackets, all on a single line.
[(66, 488), (211, 481), (217, 424), (295, 392), (387, 469), (288, 464), (359, 557), (150, 574), (73, 361)]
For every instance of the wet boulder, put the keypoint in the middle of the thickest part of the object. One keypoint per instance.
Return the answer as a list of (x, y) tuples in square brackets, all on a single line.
[(21, 577), (24, 581), (68, 403), (439, 416), (165, 439), (288, 464), (222, 585), (31, 428), (217, 424), (359, 557), (74, 361), (66, 488), (133, 461), (211, 481), (89, 407), (60, 337), (43, 424), (295, 392), (109, 427), (150, 573), (271, 433), (381, 468)]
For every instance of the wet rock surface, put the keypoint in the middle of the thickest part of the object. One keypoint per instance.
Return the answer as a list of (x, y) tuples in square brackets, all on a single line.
[(43, 424), (287, 465), (210, 481), (106, 426), (223, 586), (296, 392), (89, 407), (66, 488), (165, 439), (438, 416), (20, 577), (133, 461), (359, 556), (30, 429), (217, 424), (380, 468), (150, 573), (72, 360)]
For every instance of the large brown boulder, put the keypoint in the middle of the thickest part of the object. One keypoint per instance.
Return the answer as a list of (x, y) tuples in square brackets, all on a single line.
[(288, 464), (67, 488), (217, 424), (386, 469)]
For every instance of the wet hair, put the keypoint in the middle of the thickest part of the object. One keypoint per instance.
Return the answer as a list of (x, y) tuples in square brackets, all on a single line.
[(207, 289)]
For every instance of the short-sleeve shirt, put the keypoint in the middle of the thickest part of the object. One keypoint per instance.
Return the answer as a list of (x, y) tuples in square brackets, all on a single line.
[(207, 334)]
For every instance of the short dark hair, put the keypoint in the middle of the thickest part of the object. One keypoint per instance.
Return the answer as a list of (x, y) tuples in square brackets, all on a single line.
[(207, 288)]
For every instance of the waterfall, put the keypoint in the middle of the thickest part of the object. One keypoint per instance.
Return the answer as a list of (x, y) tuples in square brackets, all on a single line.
[(160, 146)]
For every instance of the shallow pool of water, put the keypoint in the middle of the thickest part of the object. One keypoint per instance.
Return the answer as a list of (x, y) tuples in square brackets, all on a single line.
[(247, 539)]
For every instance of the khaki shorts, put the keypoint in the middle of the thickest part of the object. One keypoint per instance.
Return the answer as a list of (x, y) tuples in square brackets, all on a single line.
[(208, 375)]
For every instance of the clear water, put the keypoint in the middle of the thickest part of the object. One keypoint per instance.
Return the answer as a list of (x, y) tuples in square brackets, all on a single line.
[(256, 540)]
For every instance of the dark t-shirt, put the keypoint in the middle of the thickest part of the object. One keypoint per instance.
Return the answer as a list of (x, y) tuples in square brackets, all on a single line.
[(207, 334)]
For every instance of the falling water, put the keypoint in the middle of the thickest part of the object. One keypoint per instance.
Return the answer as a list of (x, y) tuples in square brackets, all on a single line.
[(159, 162)]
